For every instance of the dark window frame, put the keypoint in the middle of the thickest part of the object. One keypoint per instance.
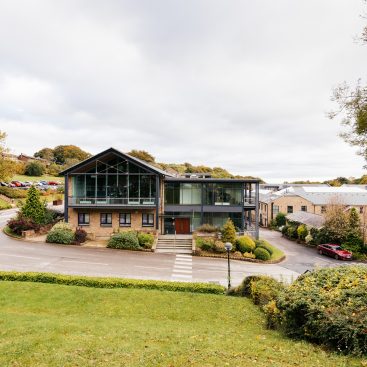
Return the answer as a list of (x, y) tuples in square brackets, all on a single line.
[(289, 209), (105, 224), (304, 208), (147, 222), (125, 216), (84, 222)]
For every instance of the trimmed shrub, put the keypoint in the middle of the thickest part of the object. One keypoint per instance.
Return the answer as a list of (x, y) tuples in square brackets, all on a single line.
[(124, 240), (266, 245), (62, 225), (245, 244), (244, 289), (110, 283), (20, 224), (249, 255), (237, 254), (207, 228), (146, 240), (205, 243), (262, 254), (61, 236), (229, 232), (219, 247), (302, 232), (80, 235), (13, 193), (292, 232), (328, 306)]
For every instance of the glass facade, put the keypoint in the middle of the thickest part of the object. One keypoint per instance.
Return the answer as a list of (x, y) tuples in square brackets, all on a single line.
[(114, 182), (218, 219), (181, 193)]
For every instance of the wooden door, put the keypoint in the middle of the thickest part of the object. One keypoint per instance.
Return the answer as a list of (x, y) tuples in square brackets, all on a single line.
[(182, 225)]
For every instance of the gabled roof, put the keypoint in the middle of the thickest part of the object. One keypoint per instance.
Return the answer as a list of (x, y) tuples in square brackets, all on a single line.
[(310, 219), (135, 160)]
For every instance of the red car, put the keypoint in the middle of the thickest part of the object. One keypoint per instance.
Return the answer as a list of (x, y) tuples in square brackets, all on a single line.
[(17, 183), (53, 183), (334, 251)]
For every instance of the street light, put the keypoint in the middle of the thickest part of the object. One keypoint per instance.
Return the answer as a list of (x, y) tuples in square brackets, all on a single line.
[(228, 247)]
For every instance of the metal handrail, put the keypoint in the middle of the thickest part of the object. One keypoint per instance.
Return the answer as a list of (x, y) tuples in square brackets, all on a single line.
[(148, 201)]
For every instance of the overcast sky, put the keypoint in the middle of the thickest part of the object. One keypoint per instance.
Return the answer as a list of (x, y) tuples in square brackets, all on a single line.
[(240, 84)]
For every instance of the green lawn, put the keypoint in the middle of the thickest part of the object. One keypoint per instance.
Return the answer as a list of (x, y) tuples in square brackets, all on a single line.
[(37, 178), (57, 325)]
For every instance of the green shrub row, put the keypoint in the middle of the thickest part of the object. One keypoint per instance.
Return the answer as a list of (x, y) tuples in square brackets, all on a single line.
[(62, 233), (110, 283)]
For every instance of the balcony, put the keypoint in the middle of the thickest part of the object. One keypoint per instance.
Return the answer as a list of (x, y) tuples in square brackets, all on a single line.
[(103, 202)]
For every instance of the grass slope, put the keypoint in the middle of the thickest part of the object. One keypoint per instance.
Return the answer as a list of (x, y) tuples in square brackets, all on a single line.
[(37, 178), (56, 325), (4, 204)]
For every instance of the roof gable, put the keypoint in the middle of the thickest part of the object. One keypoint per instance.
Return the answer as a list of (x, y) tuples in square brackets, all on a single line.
[(136, 161)]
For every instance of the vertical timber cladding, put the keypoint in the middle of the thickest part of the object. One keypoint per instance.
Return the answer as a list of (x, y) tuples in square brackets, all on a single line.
[(66, 201)]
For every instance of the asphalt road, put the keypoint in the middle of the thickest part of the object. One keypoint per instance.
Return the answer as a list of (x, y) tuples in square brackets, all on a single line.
[(25, 256)]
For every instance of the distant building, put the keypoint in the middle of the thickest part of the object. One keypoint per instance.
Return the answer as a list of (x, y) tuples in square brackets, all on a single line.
[(310, 199)]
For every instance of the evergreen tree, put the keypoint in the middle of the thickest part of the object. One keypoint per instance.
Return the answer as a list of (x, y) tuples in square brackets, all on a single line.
[(33, 208), (354, 221), (229, 232)]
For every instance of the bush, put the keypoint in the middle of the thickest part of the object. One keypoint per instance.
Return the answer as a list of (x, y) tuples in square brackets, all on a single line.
[(280, 219), (262, 254), (249, 255), (237, 254), (146, 240), (207, 228), (328, 306), (302, 232), (20, 224), (61, 236), (62, 225), (354, 243), (292, 232), (124, 240), (34, 169), (245, 244), (111, 283), (309, 239), (4, 205), (229, 232), (80, 235), (13, 193), (219, 247), (205, 243), (266, 245), (264, 289), (285, 230)]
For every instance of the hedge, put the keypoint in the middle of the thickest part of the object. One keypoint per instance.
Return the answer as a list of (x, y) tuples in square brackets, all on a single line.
[(96, 282)]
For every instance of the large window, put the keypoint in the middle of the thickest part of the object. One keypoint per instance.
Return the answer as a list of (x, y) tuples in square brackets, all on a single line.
[(275, 210), (106, 219), (147, 220), (125, 219), (114, 181), (223, 193), (83, 219)]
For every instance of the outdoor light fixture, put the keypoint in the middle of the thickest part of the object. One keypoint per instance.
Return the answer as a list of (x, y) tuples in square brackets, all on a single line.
[(228, 247)]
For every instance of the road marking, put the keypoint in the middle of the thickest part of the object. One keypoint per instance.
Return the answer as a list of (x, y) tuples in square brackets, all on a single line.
[(182, 267), (22, 257), (82, 262), (151, 267)]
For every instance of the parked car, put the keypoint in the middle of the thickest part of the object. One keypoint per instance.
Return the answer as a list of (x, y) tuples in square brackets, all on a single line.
[(16, 183), (43, 183), (53, 183), (3, 184), (334, 251), (27, 183)]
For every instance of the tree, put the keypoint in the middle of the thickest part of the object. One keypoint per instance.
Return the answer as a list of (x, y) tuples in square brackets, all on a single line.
[(33, 208), (34, 169), (7, 167), (45, 153), (229, 232), (336, 221), (354, 221), (64, 152), (143, 155), (352, 102), (302, 232), (280, 219)]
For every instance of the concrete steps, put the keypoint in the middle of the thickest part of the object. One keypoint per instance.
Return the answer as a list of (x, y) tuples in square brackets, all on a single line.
[(171, 245)]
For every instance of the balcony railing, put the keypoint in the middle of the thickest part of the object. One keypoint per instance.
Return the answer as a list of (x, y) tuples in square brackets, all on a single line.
[(81, 201)]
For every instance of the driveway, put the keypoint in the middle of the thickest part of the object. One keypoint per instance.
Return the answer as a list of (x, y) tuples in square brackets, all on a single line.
[(299, 258), (25, 256)]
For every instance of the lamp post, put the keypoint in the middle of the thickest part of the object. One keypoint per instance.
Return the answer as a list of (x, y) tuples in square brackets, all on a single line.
[(228, 247)]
